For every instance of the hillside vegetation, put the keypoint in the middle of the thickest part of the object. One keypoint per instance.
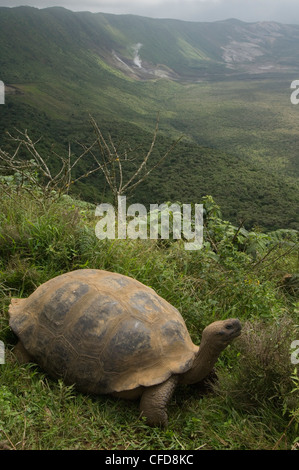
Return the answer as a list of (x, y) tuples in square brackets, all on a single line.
[(254, 403), (239, 126), (222, 91)]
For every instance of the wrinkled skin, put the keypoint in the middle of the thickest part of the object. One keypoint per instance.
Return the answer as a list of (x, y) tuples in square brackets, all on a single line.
[(153, 400)]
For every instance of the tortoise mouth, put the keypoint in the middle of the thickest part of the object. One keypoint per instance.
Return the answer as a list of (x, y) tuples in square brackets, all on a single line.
[(236, 333), (233, 329)]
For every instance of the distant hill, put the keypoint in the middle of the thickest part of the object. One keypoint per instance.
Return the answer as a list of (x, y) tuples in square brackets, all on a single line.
[(143, 47), (224, 85)]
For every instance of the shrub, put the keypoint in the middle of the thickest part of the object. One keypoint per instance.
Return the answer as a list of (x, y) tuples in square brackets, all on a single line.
[(264, 371)]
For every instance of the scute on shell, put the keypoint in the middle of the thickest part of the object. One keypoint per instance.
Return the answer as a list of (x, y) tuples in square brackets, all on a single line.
[(102, 331)]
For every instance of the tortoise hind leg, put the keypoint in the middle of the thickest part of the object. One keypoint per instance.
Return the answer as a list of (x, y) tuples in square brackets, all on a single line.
[(23, 357), (154, 401)]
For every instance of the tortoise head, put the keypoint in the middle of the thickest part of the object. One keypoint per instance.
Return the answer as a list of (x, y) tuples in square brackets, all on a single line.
[(215, 338), (221, 333)]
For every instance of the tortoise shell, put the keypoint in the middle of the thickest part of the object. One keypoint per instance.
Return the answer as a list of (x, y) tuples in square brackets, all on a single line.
[(103, 332)]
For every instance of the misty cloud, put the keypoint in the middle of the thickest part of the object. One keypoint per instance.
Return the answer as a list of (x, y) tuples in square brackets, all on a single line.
[(285, 11)]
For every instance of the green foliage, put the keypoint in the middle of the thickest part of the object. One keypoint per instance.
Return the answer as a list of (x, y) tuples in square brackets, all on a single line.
[(240, 145), (264, 371), (294, 414), (240, 134), (254, 403)]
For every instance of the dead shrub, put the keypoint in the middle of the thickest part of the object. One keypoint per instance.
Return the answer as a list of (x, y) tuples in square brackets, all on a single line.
[(264, 370)]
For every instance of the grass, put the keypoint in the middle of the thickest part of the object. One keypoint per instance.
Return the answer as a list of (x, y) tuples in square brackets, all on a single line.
[(254, 404)]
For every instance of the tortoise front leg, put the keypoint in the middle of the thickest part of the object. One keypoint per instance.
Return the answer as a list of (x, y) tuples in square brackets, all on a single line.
[(154, 401)]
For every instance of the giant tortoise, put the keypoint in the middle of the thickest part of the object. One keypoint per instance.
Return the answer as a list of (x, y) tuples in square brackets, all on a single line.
[(108, 333)]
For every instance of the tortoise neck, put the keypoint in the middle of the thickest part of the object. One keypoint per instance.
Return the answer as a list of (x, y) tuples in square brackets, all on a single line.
[(203, 364)]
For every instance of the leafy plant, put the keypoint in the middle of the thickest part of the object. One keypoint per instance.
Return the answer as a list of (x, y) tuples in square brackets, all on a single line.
[(254, 400)]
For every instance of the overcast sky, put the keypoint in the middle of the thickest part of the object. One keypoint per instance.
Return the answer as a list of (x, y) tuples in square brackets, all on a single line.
[(284, 11)]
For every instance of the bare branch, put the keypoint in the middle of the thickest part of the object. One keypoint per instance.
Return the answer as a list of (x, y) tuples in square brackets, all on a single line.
[(146, 157), (112, 162), (33, 172), (29, 170), (133, 186)]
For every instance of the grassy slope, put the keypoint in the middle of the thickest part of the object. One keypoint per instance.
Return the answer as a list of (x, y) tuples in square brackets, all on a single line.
[(253, 404)]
